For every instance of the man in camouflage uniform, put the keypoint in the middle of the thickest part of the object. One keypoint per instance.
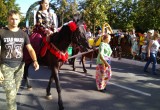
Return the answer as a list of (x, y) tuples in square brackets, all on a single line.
[(12, 42)]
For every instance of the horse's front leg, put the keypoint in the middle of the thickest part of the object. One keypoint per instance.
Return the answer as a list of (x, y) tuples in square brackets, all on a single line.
[(25, 77), (58, 87), (48, 89), (55, 76)]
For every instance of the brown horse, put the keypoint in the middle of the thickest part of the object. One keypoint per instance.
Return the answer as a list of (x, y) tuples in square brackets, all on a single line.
[(120, 46), (126, 46), (56, 53), (106, 28), (115, 46), (90, 55)]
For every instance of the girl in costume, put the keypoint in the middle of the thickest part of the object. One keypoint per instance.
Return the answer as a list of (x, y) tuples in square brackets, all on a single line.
[(103, 69)]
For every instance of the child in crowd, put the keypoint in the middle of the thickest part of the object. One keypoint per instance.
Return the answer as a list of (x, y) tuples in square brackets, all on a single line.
[(135, 48), (144, 51)]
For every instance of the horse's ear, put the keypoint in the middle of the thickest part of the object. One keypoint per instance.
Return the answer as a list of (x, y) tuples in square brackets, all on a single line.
[(82, 16), (77, 16)]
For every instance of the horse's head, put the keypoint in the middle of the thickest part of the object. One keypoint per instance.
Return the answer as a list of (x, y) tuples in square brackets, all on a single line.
[(79, 36), (71, 32)]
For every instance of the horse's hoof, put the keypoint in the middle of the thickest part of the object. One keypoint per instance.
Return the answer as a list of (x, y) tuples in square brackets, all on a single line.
[(49, 97), (29, 88), (85, 71)]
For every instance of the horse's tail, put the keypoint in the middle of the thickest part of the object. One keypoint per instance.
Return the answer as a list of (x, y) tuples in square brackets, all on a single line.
[(36, 41)]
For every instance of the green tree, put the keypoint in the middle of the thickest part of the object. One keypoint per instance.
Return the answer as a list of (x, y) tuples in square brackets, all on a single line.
[(5, 7), (148, 14), (66, 9), (124, 14), (3, 13), (94, 12)]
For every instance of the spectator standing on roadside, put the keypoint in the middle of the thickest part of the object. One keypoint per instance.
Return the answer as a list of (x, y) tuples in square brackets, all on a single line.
[(135, 48), (153, 48), (133, 36), (98, 35), (88, 33), (141, 42), (157, 32), (149, 35), (144, 51)]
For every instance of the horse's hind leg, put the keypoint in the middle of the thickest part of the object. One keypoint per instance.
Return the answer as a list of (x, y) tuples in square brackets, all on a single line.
[(83, 64), (25, 77), (119, 53), (73, 63)]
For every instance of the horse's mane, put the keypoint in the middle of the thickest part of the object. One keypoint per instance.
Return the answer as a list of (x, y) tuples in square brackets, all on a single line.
[(62, 37), (65, 33)]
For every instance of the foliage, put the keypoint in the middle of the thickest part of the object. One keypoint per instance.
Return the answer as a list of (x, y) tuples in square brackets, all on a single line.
[(95, 13), (5, 7), (65, 10), (148, 14), (120, 14)]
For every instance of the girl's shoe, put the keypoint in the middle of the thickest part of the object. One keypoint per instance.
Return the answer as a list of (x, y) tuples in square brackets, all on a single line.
[(103, 90)]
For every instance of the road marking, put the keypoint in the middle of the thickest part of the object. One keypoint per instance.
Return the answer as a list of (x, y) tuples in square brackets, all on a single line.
[(130, 89), (124, 87)]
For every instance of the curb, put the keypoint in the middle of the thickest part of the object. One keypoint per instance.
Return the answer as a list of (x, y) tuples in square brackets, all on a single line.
[(133, 62)]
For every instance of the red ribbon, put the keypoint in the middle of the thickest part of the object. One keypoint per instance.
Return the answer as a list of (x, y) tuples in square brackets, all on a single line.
[(72, 26)]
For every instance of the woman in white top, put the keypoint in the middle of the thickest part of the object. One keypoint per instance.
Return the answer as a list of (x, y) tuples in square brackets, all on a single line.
[(88, 34), (46, 21), (153, 48)]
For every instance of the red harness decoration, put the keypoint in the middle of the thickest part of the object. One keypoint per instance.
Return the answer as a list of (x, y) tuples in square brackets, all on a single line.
[(51, 47)]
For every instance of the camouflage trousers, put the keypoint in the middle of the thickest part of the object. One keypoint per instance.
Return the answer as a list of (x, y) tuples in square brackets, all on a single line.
[(11, 83)]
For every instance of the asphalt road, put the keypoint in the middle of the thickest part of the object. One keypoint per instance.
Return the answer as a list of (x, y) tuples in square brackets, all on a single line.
[(129, 89)]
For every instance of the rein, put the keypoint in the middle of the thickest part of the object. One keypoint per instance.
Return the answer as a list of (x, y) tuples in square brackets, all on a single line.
[(77, 55)]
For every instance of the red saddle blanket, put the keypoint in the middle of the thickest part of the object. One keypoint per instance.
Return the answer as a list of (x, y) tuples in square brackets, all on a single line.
[(53, 49), (35, 40)]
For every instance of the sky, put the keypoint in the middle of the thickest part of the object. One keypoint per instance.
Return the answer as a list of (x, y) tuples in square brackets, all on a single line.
[(25, 4)]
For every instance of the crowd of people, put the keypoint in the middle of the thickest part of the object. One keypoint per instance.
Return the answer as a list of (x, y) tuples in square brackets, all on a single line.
[(139, 41)]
